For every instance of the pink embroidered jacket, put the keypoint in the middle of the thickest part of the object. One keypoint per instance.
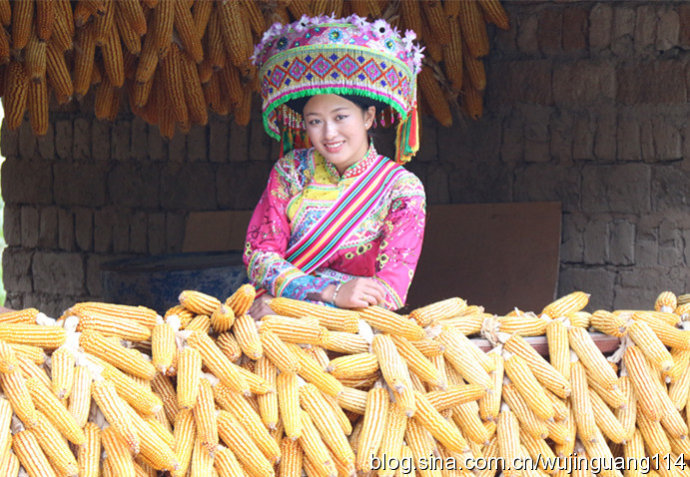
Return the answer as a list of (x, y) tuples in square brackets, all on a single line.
[(301, 188)]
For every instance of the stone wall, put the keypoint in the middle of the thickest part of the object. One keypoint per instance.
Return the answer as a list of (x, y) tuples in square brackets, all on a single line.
[(586, 104)]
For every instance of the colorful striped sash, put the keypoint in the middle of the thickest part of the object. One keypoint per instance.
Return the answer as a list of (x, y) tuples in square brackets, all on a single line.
[(344, 216)]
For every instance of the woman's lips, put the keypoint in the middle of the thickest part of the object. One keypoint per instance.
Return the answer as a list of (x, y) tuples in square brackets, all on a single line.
[(334, 146)]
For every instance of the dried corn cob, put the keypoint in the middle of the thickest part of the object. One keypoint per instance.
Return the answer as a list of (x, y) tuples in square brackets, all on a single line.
[(245, 450), (218, 363), (332, 318)]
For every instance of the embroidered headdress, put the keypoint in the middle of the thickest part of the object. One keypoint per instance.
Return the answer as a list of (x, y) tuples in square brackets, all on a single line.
[(345, 56)]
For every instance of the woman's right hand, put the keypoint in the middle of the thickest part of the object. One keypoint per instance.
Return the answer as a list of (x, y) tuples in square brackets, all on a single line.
[(360, 293)]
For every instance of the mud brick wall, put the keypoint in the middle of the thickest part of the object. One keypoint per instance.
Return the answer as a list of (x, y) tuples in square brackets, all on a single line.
[(586, 104)]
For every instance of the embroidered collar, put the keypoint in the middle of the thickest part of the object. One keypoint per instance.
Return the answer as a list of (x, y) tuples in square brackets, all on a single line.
[(355, 169)]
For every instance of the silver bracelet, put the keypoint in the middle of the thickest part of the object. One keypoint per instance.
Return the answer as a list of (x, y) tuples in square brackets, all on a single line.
[(335, 292)]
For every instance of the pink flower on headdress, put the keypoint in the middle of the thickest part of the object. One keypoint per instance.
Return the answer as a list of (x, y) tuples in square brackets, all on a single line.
[(380, 28), (357, 21), (302, 23)]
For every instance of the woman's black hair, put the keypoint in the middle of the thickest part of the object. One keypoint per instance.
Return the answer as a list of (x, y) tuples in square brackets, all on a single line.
[(363, 102)]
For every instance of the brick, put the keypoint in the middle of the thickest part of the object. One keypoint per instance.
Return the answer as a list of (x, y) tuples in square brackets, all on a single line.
[(645, 28), (60, 273), (575, 29), (437, 186), (512, 145), (188, 187), (670, 256), (83, 228), (9, 141), (528, 81), (653, 82), (623, 31), (94, 276), (121, 233), (616, 188), (667, 139), (527, 36), (218, 138), (646, 139), (572, 241), (103, 222), (547, 182), (493, 185), (583, 136), (596, 242), (48, 228), (12, 225), (64, 139), (157, 146), (46, 143), (65, 230), (428, 140), (139, 141), (26, 182), (684, 23), (605, 135), (599, 282), (100, 140), (622, 242), (156, 233), (135, 184), (260, 141), (667, 29), (121, 134), (196, 144), (584, 82), (137, 233), (628, 138), (536, 131), (600, 25), (30, 224), (646, 252), (633, 298), (174, 232), (177, 148), (669, 233), (504, 41), (238, 143), (550, 31), (686, 249), (561, 127), (27, 141), (240, 185), (81, 146), (80, 185), (16, 270)]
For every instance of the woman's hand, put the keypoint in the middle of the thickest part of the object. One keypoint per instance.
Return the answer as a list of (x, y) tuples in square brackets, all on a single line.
[(360, 293), (260, 307)]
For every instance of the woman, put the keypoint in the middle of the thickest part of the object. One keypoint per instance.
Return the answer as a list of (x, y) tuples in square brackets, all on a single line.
[(338, 223)]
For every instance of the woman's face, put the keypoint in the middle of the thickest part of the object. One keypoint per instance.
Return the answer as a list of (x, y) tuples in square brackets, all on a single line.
[(337, 128)]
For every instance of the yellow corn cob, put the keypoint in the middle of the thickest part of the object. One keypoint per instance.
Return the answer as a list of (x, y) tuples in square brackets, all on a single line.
[(248, 417), (455, 395), (417, 362), (62, 371), (644, 337), (80, 396), (140, 314), (229, 346), (567, 304), (292, 458), (326, 422), (90, 452), (473, 29), (218, 363), (115, 411), (609, 323), (670, 417), (14, 385), (391, 322), (666, 302), (153, 447), (439, 362), (278, 352), (613, 397), (652, 316), (242, 299), (205, 417), (129, 36), (29, 353), (312, 372), (582, 404), (627, 413), (354, 366), (679, 390), (268, 403), (653, 434), (193, 91), (508, 433), (466, 417), (199, 323), (607, 422), (437, 20), (536, 447), (634, 451), (188, 377), (391, 445), (26, 315), (163, 347), (183, 439), (5, 421), (353, 400), (22, 15), (198, 302), (112, 58), (439, 310), (459, 354), (237, 35), (288, 400), (559, 348), (332, 318), (549, 377), (247, 336), (467, 324), (520, 374), (187, 33), (391, 363), (474, 67), (591, 357), (341, 342), (29, 369), (35, 57), (249, 455), (10, 464), (202, 461), (256, 384), (222, 318), (428, 347), (372, 427), (315, 451), (120, 459), (136, 394), (8, 358), (494, 13), (529, 421), (48, 337), (293, 330), (580, 319), (109, 325), (681, 358), (31, 457), (110, 351), (225, 461), (16, 95), (164, 390), (524, 324), (642, 383)]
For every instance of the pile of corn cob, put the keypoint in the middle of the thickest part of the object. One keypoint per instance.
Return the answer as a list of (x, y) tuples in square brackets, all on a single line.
[(207, 390), (177, 58)]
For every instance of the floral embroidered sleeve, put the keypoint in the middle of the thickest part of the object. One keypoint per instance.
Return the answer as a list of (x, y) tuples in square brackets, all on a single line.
[(268, 235)]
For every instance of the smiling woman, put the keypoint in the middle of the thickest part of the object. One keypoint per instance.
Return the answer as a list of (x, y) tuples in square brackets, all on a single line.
[(338, 223)]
